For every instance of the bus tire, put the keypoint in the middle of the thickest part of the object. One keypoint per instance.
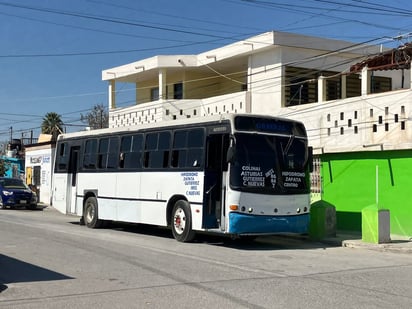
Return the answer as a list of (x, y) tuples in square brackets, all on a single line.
[(90, 215), (182, 222)]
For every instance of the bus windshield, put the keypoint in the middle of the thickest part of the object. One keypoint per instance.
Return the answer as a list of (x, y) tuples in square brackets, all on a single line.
[(270, 164)]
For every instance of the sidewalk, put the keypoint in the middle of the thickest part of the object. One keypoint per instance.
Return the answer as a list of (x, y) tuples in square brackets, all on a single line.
[(397, 244)]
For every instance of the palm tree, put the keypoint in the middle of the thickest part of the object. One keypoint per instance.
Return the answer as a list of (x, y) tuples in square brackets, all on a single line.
[(52, 124)]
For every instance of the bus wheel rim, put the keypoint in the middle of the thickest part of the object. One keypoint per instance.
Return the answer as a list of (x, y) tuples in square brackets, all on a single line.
[(179, 221), (90, 214)]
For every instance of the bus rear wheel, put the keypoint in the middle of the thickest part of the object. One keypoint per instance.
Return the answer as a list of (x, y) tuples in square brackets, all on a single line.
[(90, 214), (182, 222)]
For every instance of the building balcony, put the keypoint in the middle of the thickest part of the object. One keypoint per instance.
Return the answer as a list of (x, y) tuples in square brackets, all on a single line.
[(164, 110)]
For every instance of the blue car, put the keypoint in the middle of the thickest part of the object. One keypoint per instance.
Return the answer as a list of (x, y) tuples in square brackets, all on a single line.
[(14, 192)]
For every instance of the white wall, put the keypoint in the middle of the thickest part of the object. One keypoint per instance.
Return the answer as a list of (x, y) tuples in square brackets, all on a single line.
[(328, 123), (44, 159), (265, 83)]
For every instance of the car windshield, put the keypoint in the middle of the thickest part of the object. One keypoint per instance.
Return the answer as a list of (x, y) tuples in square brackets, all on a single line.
[(270, 164), (12, 183)]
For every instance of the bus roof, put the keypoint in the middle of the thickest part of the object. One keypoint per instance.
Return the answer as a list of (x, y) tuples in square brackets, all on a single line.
[(168, 123)]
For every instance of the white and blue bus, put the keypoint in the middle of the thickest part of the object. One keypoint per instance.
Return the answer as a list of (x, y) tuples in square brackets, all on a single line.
[(233, 174)]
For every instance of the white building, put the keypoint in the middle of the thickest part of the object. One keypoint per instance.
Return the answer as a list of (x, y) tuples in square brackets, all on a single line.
[(355, 101), (39, 166), (283, 74)]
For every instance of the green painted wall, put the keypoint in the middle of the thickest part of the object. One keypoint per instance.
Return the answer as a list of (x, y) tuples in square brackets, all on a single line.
[(349, 183)]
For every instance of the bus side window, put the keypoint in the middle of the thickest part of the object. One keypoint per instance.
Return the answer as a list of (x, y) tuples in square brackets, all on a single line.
[(157, 150), (131, 151), (125, 149), (164, 149), (62, 158), (179, 151), (188, 148), (150, 147), (90, 155), (195, 145), (134, 159), (103, 152), (113, 153)]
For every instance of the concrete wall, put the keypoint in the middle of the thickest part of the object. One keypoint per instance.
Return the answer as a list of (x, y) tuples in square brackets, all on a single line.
[(265, 81), (332, 125)]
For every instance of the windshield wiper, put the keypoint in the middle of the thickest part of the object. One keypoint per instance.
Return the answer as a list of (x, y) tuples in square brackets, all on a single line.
[(288, 145)]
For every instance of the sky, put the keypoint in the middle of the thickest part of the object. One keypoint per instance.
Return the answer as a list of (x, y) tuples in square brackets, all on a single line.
[(52, 52)]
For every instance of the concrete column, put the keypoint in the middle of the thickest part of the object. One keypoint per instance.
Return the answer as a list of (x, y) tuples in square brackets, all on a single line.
[(136, 94), (112, 94), (321, 89), (376, 225), (249, 74), (343, 87), (248, 107), (365, 81), (410, 78), (162, 84)]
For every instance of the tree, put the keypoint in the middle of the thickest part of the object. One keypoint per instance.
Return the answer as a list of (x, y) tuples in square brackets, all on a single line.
[(3, 167), (97, 118), (52, 124)]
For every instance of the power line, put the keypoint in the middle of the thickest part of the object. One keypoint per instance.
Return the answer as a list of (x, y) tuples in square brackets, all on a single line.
[(109, 20), (300, 61), (92, 29), (314, 11), (119, 21), (104, 52), (185, 18), (379, 8)]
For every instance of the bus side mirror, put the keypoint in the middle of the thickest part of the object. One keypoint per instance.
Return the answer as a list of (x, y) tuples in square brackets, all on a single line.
[(310, 159), (230, 155)]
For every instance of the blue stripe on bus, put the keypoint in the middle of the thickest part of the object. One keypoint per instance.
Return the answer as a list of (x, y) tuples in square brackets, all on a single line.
[(246, 223)]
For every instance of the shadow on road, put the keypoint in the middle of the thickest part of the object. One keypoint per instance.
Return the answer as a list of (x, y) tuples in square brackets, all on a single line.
[(277, 242), (40, 207), (13, 271)]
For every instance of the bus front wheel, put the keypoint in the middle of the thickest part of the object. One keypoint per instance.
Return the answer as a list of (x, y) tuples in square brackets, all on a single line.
[(90, 215), (182, 222)]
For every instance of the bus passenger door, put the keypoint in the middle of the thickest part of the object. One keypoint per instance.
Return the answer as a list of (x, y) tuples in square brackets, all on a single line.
[(213, 206), (72, 181)]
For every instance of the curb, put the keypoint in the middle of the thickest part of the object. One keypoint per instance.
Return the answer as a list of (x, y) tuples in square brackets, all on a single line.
[(396, 246)]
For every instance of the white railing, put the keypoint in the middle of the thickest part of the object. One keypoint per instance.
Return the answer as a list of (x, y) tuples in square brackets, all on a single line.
[(163, 110)]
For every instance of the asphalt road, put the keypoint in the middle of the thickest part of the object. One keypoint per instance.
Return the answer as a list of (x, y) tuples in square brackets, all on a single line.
[(47, 260)]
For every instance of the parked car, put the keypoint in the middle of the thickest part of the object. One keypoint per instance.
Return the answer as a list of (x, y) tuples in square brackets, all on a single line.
[(14, 192)]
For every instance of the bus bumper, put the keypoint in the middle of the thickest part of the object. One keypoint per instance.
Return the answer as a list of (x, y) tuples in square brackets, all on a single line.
[(252, 224)]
